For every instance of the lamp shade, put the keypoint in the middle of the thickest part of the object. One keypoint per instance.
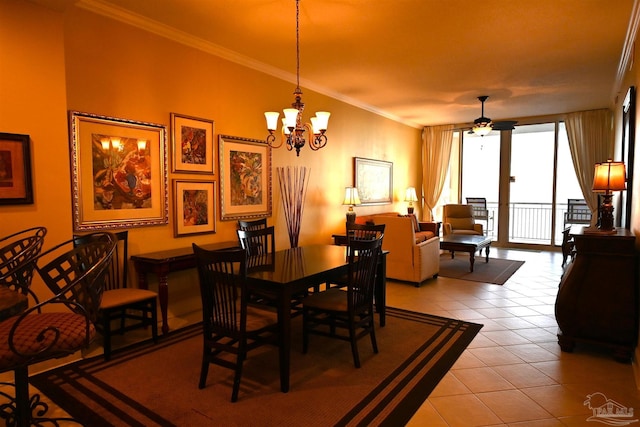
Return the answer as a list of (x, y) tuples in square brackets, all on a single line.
[(351, 196), (609, 176), (410, 195)]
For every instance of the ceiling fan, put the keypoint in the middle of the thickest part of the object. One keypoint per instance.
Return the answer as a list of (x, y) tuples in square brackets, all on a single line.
[(483, 125)]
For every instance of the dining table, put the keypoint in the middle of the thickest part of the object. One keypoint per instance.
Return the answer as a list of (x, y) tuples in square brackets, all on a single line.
[(295, 270)]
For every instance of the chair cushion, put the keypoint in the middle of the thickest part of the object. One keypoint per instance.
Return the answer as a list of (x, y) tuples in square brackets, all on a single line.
[(71, 326), (423, 236), (335, 299), (118, 297), (260, 318), (461, 223)]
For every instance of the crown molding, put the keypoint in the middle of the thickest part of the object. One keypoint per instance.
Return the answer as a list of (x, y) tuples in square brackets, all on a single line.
[(123, 15), (628, 50)]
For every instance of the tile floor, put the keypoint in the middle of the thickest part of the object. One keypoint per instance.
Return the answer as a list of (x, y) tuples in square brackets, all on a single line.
[(513, 373)]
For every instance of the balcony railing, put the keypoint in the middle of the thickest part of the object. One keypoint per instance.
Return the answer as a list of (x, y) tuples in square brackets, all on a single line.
[(529, 222)]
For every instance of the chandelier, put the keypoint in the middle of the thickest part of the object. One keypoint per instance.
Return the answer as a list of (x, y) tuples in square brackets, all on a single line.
[(293, 129)]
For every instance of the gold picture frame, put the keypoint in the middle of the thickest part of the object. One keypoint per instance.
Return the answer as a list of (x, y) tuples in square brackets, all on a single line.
[(118, 172), (192, 144), (194, 204), (245, 178), (374, 181)]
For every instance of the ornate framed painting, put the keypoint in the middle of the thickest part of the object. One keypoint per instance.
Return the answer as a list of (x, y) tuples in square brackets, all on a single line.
[(118, 172), (192, 144), (245, 178), (195, 208), (15, 170), (374, 181)]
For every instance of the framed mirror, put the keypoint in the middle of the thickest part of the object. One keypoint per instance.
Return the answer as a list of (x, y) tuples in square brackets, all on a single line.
[(628, 149)]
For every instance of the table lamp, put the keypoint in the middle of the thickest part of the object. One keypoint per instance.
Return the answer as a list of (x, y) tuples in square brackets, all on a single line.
[(351, 199), (410, 196), (609, 176)]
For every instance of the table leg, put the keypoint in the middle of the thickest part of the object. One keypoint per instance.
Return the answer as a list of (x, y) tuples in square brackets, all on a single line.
[(486, 252), (163, 296), (380, 289), (284, 321), (472, 259), (163, 293)]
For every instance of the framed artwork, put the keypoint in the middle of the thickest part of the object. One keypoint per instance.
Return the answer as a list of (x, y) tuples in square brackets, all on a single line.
[(195, 209), (374, 181), (15, 170), (628, 155), (245, 178), (192, 144), (118, 172)]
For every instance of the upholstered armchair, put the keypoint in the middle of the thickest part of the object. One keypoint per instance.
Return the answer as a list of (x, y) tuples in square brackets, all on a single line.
[(458, 219)]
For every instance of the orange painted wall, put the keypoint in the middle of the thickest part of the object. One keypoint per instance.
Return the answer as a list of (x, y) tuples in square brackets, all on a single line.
[(53, 62)]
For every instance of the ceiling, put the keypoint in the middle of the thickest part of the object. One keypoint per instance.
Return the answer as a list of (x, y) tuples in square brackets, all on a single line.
[(422, 62)]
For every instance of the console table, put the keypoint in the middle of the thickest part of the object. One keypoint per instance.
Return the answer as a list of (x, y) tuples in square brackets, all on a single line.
[(597, 299), (162, 263)]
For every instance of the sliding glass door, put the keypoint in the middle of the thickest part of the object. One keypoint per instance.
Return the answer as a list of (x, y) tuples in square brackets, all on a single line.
[(526, 176)]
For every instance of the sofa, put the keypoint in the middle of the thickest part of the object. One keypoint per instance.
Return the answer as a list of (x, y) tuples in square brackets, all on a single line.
[(414, 247)]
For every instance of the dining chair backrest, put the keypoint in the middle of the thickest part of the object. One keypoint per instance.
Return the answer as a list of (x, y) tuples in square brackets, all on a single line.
[(222, 277), (257, 242), (117, 271), (363, 261), (252, 225), (77, 275), (18, 252), (365, 231)]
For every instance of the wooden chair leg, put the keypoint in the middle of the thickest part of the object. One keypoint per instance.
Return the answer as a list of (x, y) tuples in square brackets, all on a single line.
[(204, 368)]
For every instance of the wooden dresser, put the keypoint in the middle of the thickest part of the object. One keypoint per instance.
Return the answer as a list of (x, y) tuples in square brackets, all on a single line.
[(597, 299)]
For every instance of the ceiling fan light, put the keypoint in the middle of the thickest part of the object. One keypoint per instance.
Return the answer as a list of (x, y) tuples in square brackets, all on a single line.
[(482, 129)]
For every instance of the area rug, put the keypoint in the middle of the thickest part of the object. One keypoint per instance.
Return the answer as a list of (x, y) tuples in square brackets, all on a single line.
[(157, 385), (495, 271)]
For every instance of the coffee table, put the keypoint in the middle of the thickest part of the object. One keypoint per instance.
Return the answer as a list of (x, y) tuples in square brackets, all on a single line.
[(466, 243)]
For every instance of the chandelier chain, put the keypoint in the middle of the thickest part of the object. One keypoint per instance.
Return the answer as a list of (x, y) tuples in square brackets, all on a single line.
[(298, 42)]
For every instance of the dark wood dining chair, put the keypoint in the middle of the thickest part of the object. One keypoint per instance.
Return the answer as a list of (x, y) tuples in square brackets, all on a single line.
[(229, 323), (260, 246), (131, 308), (359, 232), (252, 224), (330, 312), (58, 326)]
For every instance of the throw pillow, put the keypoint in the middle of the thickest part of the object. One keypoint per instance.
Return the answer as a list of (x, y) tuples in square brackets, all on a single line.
[(414, 220)]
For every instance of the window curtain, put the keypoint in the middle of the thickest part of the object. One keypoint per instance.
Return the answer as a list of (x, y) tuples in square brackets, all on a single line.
[(436, 152), (591, 141)]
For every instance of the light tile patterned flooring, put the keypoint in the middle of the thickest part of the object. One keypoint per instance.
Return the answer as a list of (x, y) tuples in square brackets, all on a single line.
[(513, 373)]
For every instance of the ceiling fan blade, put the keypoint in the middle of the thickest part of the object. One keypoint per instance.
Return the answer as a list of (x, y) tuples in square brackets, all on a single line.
[(504, 125)]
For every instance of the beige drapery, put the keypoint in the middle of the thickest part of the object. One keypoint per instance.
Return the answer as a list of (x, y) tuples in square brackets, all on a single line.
[(590, 141), (436, 152)]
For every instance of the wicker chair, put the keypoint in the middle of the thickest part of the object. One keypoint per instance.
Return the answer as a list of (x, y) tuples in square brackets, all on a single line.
[(16, 270), (76, 277)]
